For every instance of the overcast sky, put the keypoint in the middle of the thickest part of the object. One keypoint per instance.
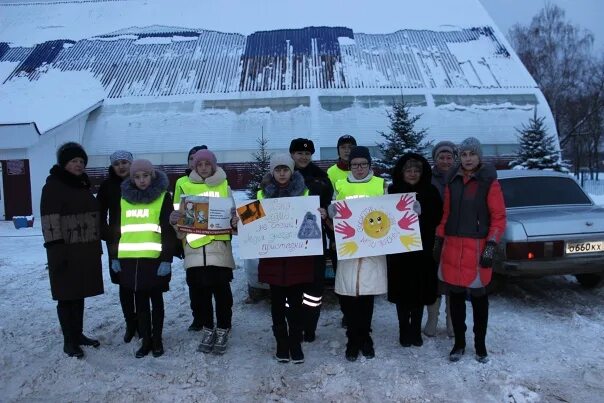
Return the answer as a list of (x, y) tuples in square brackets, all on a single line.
[(588, 14)]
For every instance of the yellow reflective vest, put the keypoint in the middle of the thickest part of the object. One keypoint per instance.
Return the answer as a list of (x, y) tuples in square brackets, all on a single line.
[(178, 190), (201, 189), (351, 190), (334, 173), (140, 228)]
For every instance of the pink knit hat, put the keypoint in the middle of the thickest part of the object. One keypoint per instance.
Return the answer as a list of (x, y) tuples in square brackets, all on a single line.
[(205, 155), (141, 165)]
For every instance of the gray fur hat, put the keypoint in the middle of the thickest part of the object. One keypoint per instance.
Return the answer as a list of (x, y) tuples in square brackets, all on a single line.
[(471, 144), (444, 146)]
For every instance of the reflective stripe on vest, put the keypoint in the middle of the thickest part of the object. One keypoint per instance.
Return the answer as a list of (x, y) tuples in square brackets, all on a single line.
[(201, 189), (351, 190), (141, 232)]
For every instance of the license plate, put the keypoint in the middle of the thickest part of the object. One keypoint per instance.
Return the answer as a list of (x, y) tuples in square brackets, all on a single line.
[(584, 247)]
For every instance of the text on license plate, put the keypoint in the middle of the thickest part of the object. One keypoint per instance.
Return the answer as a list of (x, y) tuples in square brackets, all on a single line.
[(585, 247)]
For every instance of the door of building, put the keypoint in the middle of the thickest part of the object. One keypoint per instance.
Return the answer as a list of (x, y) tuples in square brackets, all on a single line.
[(16, 188)]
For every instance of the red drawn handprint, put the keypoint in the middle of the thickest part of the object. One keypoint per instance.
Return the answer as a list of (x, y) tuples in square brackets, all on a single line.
[(407, 220), (345, 229), (342, 211), (404, 203)]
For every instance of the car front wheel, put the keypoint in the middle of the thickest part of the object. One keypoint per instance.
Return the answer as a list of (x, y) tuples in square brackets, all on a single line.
[(589, 280)]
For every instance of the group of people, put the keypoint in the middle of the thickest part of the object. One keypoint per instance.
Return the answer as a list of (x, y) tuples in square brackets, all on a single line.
[(461, 217)]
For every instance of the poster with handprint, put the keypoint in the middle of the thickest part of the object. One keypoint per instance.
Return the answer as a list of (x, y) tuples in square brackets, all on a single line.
[(373, 226)]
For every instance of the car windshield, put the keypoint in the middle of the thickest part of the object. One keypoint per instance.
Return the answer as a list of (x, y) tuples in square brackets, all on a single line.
[(541, 191)]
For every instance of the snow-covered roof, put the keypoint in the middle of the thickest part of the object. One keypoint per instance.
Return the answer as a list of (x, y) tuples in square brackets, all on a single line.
[(429, 45), (48, 103)]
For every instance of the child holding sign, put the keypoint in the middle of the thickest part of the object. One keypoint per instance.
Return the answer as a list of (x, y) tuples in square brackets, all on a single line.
[(285, 275), (208, 259), (359, 280)]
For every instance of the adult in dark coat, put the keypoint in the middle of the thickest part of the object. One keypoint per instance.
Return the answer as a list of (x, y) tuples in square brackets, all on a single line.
[(72, 238), (318, 184), (412, 279), (109, 199)]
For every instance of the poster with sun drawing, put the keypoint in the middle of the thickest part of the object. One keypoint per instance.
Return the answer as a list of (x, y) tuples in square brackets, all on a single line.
[(281, 227), (373, 226)]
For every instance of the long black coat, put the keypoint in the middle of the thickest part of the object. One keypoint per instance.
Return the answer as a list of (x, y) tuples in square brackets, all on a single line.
[(72, 236), (412, 277), (109, 196), (140, 274)]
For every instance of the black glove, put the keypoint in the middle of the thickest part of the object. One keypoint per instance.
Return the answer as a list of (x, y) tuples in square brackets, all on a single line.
[(57, 258), (438, 248), (488, 253)]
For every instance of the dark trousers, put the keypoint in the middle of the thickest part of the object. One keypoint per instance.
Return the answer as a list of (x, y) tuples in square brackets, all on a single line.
[(71, 318), (150, 314), (127, 303), (480, 311), (409, 322), (312, 297), (203, 312), (358, 312), (286, 306)]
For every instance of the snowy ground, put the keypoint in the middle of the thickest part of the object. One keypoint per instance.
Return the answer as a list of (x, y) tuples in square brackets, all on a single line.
[(545, 343)]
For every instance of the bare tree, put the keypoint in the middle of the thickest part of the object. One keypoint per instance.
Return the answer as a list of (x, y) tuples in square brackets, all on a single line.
[(559, 56)]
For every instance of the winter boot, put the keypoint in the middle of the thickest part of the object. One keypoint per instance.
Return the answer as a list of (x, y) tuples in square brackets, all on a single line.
[(450, 331), (415, 326), (294, 340), (458, 318), (222, 338), (281, 336), (78, 318), (130, 329), (70, 346), (432, 322), (157, 346), (144, 327), (367, 346), (480, 308), (404, 327), (353, 345), (208, 338)]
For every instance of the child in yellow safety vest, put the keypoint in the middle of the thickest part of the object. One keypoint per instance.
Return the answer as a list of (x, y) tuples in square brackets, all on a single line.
[(145, 249), (359, 280), (208, 259)]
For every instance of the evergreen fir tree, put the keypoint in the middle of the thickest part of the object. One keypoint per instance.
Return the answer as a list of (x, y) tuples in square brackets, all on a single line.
[(402, 138), (258, 168), (537, 149)]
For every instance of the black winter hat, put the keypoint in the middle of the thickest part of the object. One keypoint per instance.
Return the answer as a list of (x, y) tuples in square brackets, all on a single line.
[(195, 149), (69, 151), (360, 152), (301, 144), (346, 139)]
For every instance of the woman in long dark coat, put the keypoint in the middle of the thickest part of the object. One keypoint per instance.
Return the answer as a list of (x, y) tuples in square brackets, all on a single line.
[(412, 278), (71, 228)]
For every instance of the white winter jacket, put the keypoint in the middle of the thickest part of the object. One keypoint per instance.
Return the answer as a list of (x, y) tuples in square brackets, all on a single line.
[(363, 276)]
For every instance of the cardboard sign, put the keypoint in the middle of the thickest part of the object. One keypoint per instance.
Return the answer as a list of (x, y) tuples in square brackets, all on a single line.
[(373, 226), (281, 227), (205, 215)]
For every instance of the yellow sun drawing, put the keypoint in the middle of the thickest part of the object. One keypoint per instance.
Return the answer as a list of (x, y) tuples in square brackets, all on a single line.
[(376, 224)]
